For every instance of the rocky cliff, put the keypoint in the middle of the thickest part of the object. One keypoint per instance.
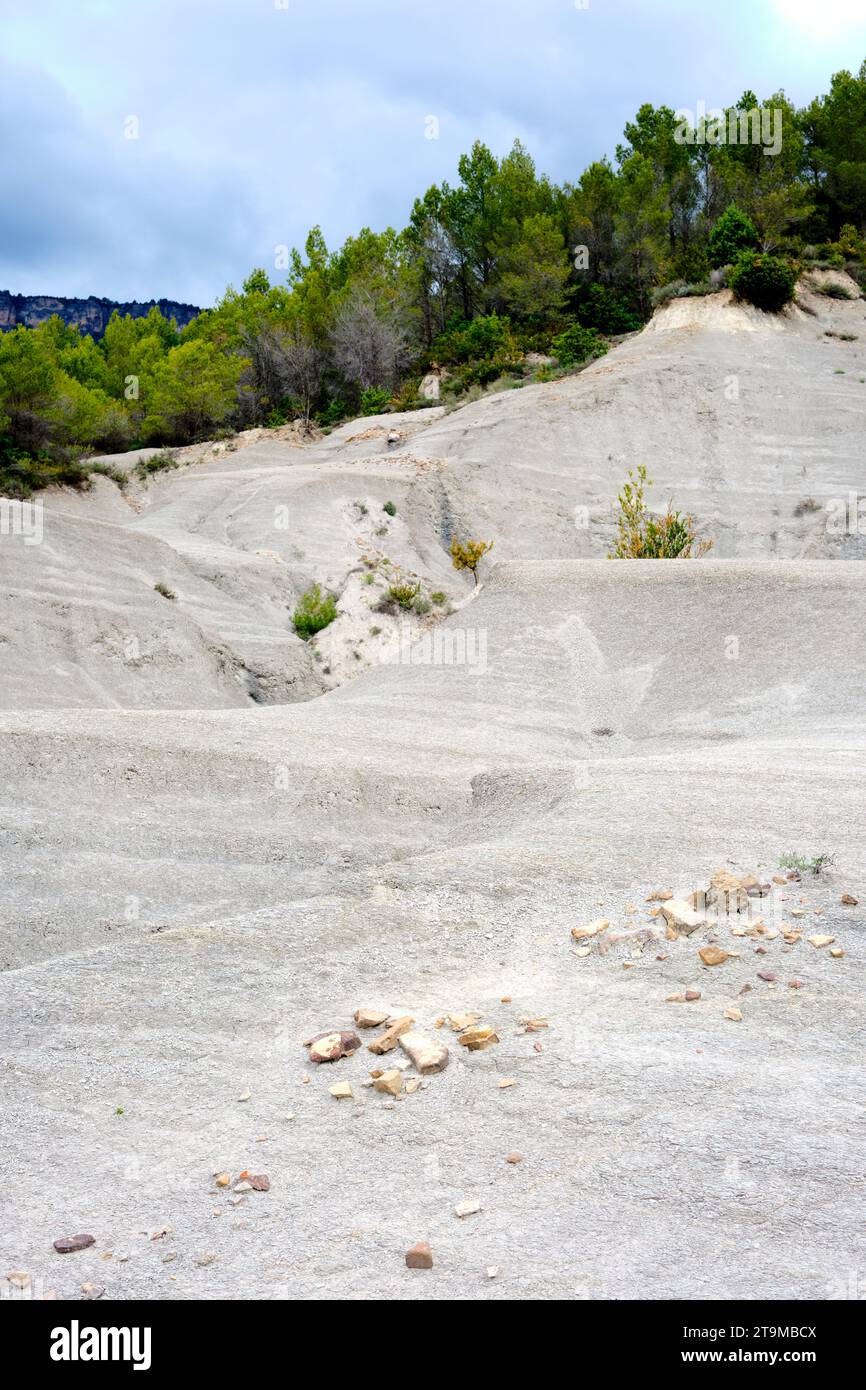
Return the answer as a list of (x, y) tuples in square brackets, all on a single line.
[(90, 315)]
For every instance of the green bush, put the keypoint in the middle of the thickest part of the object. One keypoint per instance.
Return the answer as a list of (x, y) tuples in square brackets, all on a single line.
[(733, 233), (333, 413), (577, 344), (597, 307), (157, 463), (389, 508), (642, 536), (314, 612), (22, 474), (374, 401), (108, 470), (404, 594), (763, 280)]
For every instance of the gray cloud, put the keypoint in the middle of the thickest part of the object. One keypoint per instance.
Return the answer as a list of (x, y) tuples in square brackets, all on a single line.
[(258, 121)]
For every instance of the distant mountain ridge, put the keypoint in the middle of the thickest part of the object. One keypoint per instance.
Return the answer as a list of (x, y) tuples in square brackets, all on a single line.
[(90, 315)]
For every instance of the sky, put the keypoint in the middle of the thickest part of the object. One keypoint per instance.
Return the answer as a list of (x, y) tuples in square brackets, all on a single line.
[(163, 148)]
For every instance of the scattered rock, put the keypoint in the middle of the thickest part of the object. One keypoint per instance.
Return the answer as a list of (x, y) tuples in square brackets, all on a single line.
[(370, 1018), (260, 1182), (848, 900), (492, 1271), (796, 984), (330, 1047), (819, 941), (714, 955), (675, 999), (661, 895), (427, 1056), (692, 996), (208, 1259), (341, 1090), (390, 1082), (247, 1095), (389, 1039), (67, 1244), (478, 1038), (420, 1256), (19, 1278), (413, 1085), (593, 929), (223, 1180), (681, 917), (506, 1082), (91, 1292), (460, 1021), (467, 1208), (768, 976), (836, 952), (514, 1158), (734, 1015)]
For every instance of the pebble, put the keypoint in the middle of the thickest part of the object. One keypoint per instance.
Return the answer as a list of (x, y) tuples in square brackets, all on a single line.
[(420, 1256)]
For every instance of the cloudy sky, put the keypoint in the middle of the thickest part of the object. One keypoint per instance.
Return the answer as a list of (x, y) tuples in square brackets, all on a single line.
[(258, 118)]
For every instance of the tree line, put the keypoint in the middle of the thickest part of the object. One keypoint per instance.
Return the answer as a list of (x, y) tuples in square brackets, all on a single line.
[(500, 263)]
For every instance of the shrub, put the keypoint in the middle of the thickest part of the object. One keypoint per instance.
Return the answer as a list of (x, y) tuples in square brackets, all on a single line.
[(836, 291), (333, 413), (314, 612), (804, 865), (765, 281), (389, 508), (645, 537), (439, 598), (165, 591), (22, 474), (108, 470), (374, 401), (467, 555), (404, 594), (596, 306), (157, 463), (678, 289), (733, 233), (577, 344), (421, 605)]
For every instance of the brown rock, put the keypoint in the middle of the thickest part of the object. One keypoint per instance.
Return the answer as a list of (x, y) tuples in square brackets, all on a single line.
[(420, 1256), (848, 900), (427, 1056), (514, 1158), (67, 1244), (679, 915), (661, 895), (768, 976), (593, 929), (330, 1047), (478, 1038), (391, 1082), (260, 1182), (370, 1018), (692, 996), (391, 1036), (713, 955), (734, 1015), (796, 984)]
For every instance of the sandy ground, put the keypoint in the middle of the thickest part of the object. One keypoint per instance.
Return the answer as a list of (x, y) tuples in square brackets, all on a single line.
[(203, 866)]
